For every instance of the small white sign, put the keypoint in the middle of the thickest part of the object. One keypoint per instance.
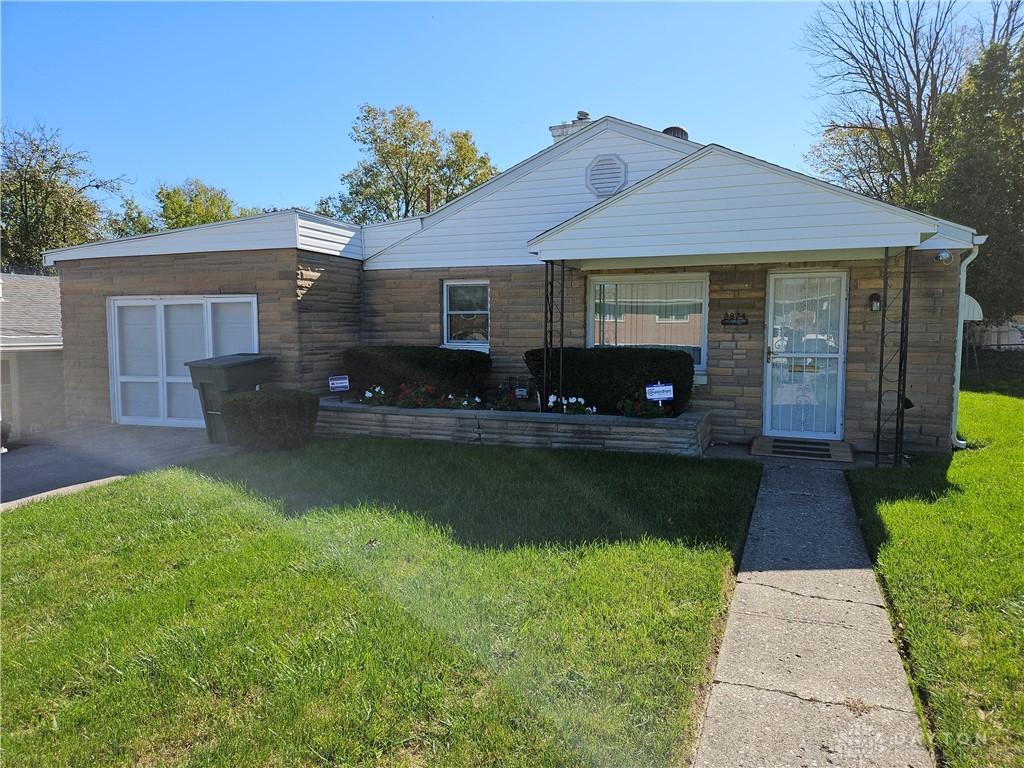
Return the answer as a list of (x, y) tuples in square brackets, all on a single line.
[(659, 391), (338, 383), (522, 393)]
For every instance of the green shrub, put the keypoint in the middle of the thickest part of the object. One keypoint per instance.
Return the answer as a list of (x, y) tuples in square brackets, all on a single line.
[(447, 370), (604, 376), (270, 419)]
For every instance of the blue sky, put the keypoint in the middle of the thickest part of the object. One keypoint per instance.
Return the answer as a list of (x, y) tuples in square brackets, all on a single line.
[(259, 98)]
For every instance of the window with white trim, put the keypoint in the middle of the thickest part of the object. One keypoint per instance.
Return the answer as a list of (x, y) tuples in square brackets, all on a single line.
[(467, 314), (667, 310)]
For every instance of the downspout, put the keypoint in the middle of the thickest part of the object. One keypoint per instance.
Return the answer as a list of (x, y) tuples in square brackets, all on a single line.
[(956, 442)]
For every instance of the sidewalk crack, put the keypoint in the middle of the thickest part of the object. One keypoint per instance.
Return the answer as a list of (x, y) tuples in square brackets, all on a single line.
[(815, 597), (852, 704)]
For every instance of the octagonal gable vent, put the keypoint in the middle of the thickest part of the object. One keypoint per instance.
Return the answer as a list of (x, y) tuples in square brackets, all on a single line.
[(606, 175)]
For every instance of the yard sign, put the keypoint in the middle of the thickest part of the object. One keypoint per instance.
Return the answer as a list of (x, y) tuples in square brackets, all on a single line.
[(338, 383)]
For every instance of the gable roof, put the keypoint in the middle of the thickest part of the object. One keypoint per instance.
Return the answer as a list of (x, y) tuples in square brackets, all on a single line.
[(752, 221), (538, 159), (289, 228), (29, 311)]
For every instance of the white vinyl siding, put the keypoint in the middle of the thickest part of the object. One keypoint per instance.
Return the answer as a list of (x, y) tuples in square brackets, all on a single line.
[(377, 237), (151, 338), (467, 314), (494, 229), (668, 310), (721, 202), (280, 229), (314, 233)]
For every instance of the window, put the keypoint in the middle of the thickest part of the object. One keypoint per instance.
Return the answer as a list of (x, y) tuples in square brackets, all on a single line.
[(650, 311), (467, 314)]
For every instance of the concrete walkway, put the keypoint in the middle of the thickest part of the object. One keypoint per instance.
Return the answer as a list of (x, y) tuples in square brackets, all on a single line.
[(809, 674), (66, 460)]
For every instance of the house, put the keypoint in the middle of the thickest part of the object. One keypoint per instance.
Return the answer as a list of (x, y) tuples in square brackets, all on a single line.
[(32, 383), (778, 284)]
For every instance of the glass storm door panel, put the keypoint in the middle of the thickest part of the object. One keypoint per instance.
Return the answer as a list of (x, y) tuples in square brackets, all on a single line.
[(184, 340), (806, 355), (138, 361), (233, 327)]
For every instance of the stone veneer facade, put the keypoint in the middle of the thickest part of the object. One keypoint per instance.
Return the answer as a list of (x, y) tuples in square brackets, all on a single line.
[(312, 306), (307, 304)]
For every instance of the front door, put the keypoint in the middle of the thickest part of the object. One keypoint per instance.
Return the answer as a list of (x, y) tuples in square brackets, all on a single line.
[(805, 359)]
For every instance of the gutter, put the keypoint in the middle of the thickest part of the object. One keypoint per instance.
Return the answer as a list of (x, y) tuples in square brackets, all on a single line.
[(955, 441)]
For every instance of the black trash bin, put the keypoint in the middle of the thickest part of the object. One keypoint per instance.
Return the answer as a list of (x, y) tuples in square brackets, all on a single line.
[(215, 377)]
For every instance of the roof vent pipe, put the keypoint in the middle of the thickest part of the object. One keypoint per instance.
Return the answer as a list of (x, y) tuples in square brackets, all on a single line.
[(679, 133)]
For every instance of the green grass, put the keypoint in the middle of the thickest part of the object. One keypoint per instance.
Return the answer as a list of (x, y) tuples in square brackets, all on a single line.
[(371, 602), (948, 540)]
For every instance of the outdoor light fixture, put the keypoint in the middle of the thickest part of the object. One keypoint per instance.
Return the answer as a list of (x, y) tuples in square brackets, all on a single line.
[(943, 256), (875, 302)]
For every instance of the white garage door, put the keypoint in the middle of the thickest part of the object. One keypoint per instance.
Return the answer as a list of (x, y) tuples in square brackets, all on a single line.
[(151, 339)]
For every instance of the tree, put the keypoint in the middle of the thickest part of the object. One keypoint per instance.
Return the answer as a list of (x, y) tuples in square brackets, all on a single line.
[(192, 203), (883, 64), (132, 220), (45, 200), (405, 156), (979, 173)]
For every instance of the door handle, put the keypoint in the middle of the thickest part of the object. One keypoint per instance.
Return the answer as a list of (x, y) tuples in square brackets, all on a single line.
[(768, 354)]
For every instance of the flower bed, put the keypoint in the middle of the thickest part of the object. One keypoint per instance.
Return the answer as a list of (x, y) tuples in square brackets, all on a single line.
[(688, 434)]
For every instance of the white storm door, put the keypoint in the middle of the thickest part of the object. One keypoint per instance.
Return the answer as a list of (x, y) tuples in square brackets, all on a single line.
[(806, 355)]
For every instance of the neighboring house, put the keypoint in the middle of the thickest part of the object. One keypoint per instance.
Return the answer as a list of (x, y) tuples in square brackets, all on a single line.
[(31, 370), (665, 241)]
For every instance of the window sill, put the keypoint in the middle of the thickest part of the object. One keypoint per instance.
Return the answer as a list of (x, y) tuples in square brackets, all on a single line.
[(700, 378), (472, 347)]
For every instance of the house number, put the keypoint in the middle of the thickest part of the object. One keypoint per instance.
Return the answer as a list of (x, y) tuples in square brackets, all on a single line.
[(735, 318)]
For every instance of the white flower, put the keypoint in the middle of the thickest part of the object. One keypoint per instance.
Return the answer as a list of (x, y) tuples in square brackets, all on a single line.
[(552, 399), (476, 399), (582, 401), (367, 393), (572, 399)]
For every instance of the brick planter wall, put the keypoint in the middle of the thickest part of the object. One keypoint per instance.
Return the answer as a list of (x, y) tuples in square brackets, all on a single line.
[(686, 435)]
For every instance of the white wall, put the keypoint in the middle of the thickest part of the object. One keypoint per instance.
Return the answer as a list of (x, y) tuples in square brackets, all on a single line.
[(493, 229), (724, 203), (377, 237)]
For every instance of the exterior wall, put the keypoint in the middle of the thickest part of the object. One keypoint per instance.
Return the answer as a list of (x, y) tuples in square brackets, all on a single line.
[(403, 306), (38, 391), (493, 228), (736, 354), (329, 291), (281, 279)]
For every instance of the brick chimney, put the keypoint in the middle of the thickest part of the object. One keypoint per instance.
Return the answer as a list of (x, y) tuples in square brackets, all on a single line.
[(562, 130)]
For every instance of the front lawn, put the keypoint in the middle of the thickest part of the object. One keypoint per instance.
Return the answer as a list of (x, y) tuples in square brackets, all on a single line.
[(371, 602), (948, 537)]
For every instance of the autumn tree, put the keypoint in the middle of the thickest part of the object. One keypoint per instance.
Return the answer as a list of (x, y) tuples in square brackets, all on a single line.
[(882, 64), (978, 173), (47, 197), (404, 156), (130, 221), (192, 203)]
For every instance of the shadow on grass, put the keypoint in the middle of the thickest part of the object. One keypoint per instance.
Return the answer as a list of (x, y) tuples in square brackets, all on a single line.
[(926, 479), (506, 497)]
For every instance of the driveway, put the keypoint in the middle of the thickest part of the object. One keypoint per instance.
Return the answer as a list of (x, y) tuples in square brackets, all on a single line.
[(69, 458)]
